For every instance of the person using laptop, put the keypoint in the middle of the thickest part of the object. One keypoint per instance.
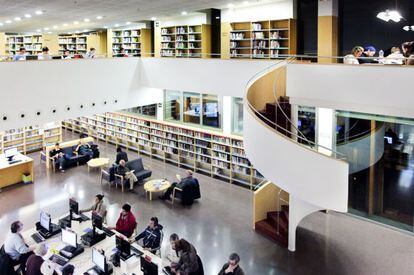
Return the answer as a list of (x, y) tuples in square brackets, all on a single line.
[(59, 157), (98, 206), (188, 179), (16, 247), (21, 56), (151, 236), (232, 267), (128, 175), (126, 222)]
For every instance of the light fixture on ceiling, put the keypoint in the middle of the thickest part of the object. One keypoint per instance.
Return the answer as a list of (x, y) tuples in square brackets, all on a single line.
[(128, 23), (105, 27), (116, 25), (39, 12), (408, 28), (184, 13), (230, 5), (38, 30), (153, 18), (77, 31), (75, 22), (27, 15), (49, 32), (17, 19), (8, 21), (55, 27), (85, 30), (65, 25), (46, 28), (388, 15), (86, 20), (99, 17)]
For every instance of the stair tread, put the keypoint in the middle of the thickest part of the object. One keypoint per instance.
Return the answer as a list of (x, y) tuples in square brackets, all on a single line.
[(267, 229)]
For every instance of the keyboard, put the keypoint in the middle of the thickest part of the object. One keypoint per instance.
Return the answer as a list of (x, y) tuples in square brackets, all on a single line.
[(15, 161), (108, 232), (59, 259), (37, 238), (136, 251), (80, 217)]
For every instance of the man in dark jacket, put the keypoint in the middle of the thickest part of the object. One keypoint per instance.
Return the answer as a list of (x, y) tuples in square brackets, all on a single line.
[(120, 155), (151, 235), (232, 267), (188, 179), (188, 263)]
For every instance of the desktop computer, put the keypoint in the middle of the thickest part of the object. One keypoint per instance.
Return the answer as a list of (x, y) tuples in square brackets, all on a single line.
[(148, 267), (72, 249), (124, 251), (101, 266), (10, 153), (93, 237), (45, 227), (74, 215)]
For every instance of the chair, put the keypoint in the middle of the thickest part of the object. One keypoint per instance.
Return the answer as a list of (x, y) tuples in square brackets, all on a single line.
[(6, 263), (140, 172), (108, 174), (188, 193)]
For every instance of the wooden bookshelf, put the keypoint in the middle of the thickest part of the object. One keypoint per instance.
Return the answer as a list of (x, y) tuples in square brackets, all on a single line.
[(270, 39), (32, 44), (192, 41), (208, 152), (74, 43), (31, 138), (136, 42)]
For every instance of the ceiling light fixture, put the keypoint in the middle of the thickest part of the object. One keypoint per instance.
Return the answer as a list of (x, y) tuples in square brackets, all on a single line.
[(153, 18), (85, 30), (408, 28), (65, 24), (75, 22), (99, 17), (8, 21), (230, 5), (77, 31), (39, 12), (105, 27), (38, 30), (17, 19), (27, 15), (388, 15), (184, 13), (55, 27), (86, 20), (49, 32), (116, 25), (128, 23), (46, 29)]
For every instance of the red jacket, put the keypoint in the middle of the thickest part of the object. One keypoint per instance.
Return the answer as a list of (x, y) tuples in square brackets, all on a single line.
[(126, 226)]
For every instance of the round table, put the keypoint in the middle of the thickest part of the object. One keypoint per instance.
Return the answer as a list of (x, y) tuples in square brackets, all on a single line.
[(98, 163), (156, 186)]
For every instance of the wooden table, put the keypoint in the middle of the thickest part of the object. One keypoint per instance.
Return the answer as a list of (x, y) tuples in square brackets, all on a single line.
[(156, 186), (98, 163), (12, 173)]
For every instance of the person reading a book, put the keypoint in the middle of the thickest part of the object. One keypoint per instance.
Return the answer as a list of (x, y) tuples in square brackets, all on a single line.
[(188, 179), (129, 175)]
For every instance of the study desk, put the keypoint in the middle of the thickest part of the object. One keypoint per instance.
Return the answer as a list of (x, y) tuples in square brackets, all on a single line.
[(83, 262), (12, 173)]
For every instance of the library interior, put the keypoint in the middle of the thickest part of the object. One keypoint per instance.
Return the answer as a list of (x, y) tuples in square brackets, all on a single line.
[(206, 137)]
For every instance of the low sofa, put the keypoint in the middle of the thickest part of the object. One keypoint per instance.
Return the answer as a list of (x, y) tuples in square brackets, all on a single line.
[(137, 165), (188, 194)]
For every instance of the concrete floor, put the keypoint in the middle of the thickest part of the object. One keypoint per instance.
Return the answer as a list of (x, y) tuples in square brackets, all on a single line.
[(220, 223)]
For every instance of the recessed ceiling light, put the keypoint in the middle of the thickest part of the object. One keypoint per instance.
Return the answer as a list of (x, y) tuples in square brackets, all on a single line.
[(49, 32), (153, 18), (230, 5), (8, 21), (46, 29), (17, 19), (85, 30), (86, 20), (128, 23), (75, 22), (55, 27), (105, 27), (1, 24), (99, 17), (77, 31), (39, 12), (65, 24), (116, 25), (184, 13), (27, 15), (38, 30)]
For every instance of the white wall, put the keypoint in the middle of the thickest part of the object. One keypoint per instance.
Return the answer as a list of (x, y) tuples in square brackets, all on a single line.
[(193, 19), (271, 11), (383, 90)]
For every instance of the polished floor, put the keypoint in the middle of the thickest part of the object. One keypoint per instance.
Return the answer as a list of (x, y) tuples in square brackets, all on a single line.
[(221, 223)]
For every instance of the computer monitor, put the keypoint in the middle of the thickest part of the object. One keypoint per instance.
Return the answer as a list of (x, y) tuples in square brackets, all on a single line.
[(99, 260), (69, 237), (148, 268), (123, 246), (31, 57), (73, 206), (45, 220), (96, 220), (10, 153)]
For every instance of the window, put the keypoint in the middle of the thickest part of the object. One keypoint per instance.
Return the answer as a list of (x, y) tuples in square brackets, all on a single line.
[(192, 108), (172, 105), (211, 111), (147, 110), (237, 116)]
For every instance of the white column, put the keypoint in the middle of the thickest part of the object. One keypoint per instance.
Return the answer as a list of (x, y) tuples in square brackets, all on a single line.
[(325, 130), (227, 115)]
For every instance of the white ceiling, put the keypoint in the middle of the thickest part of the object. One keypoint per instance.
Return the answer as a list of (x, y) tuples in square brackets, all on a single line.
[(58, 12)]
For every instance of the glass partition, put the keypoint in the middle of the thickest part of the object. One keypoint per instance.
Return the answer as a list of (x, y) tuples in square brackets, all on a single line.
[(147, 110), (237, 116), (172, 103), (192, 108), (211, 111)]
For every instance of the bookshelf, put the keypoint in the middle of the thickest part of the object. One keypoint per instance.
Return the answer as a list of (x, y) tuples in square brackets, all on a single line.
[(270, 39), (208, 152), (186, 41), (32, 44), (74, 43), (135, 42), (31, 138)]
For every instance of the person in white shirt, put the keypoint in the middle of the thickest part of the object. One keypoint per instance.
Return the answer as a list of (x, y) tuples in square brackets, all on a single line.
[(66, 55), (45, 54), (396, 57), (90, 53), (16, 247), (172, 255), (353, 57)]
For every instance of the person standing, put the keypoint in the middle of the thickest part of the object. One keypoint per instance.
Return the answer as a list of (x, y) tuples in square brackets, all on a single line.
[(16, 247), (171, 253), (98, 206), (232, 267), (120, 155), (188, 263), (91, 53)]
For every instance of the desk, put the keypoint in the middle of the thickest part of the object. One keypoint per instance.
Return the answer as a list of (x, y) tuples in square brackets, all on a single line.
[(12, 173), (97, 163), (156, 186), (83, 262)]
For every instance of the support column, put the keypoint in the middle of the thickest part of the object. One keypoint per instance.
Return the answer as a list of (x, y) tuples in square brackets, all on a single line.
[(325, 130), (327, 30)]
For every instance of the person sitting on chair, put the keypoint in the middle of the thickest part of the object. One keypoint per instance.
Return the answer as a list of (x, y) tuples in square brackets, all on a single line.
[(126, 222), (129, 175), (84, 149), (151, 236), (188, 179), (59, 157)]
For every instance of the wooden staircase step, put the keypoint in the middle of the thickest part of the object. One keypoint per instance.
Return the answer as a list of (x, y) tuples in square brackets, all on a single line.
[(266, 228)]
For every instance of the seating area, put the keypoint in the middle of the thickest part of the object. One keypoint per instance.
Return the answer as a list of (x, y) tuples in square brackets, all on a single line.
[(188, 194)]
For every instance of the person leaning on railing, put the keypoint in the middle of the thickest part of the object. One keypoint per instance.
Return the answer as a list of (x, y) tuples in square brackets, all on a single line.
[(368, 55), (408, 51), (353, 57)]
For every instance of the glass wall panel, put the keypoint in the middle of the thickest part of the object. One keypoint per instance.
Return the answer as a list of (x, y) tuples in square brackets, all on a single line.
[(147, 110), (172, 103), (192, 108), (211, 111), (237, 116)]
